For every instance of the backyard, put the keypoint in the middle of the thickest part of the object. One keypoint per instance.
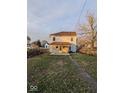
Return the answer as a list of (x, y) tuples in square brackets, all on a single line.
[(57, 74)]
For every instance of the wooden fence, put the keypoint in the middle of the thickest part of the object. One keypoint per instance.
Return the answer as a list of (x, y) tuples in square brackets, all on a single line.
[(36, 51)]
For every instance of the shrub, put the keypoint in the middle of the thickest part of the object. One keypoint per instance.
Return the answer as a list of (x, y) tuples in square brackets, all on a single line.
[(35, 52), (88, 51)]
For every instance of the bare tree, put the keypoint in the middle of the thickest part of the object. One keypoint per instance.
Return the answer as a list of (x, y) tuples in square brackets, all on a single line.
[(28, 40), (90, 29), (38, 43)]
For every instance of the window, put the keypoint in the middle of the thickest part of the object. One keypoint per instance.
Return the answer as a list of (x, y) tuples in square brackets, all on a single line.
[(54, 38), (71, 39)]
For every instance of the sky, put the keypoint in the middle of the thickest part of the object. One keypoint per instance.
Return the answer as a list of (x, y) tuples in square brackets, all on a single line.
[(50, 16)]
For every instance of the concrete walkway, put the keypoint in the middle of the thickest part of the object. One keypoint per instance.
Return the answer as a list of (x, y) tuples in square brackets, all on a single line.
[(85, 76)]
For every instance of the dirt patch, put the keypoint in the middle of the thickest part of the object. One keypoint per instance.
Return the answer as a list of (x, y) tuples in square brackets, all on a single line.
[(60, 63), (85, 76), (84, 63)]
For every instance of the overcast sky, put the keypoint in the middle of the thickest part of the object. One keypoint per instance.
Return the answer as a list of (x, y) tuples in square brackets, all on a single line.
[(49, 16)]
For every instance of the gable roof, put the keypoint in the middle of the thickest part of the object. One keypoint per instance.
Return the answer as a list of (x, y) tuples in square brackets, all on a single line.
[(64, 34)]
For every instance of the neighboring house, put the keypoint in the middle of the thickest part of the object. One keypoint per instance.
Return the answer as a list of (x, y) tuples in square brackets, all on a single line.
[(46, 45), (63, 42)]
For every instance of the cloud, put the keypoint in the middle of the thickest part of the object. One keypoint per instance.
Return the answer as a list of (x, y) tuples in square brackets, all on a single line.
[(50, 12), (46, 16)]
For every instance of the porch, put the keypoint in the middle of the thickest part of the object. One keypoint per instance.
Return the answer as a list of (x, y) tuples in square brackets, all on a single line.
[(59, 48)]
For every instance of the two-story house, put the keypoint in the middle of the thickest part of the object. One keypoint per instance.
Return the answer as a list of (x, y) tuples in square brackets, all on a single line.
[(63, 42)]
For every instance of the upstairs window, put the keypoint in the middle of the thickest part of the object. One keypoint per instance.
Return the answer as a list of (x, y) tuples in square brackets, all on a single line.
[(71, 39), (54, 38)]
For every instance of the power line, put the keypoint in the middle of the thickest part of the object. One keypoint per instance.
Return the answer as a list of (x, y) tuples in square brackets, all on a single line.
[(82, 9)]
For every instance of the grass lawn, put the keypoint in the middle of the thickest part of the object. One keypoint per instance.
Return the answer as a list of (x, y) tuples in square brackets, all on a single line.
[(89, 63), (56, 74)]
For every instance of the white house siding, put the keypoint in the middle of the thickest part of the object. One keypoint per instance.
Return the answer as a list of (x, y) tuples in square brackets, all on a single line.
[(46, 46), (53, 49), (66, 39), (64, 49)]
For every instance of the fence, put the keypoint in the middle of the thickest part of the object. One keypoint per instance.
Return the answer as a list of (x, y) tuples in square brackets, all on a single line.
[(36, 51)]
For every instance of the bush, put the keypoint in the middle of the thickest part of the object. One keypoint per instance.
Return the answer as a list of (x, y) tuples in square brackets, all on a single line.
[(88, 51), (35, 52)]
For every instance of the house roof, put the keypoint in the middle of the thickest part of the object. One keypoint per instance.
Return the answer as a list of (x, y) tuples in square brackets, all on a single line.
[(64, 34), (60, 43)]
